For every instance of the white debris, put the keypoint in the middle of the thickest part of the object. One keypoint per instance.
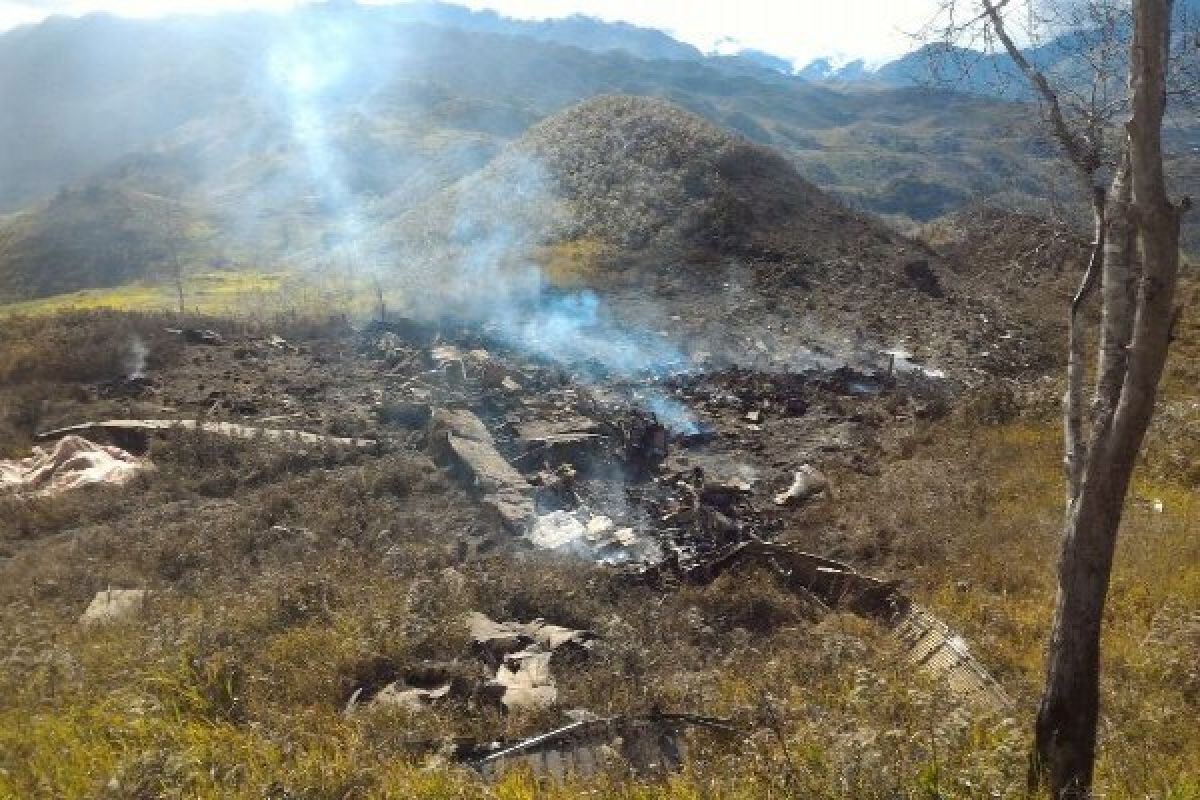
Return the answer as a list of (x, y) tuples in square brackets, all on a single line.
[(598, 538), (114, 605), (902, 361), (525, 650), (395, 695), (557, 530), (808, 482), (599, 525), (72, 462), (524, 680)]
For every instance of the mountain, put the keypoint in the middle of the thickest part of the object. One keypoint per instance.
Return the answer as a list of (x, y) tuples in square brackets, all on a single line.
[(79, 93), (576, 30), (766, 60), (825, 69), (641, 175), (1069, 57), (300, 138)]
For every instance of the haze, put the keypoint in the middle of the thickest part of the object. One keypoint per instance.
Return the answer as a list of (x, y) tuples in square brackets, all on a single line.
[(874, 30)]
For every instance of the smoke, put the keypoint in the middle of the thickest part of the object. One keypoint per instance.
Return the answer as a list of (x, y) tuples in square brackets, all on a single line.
[(312, 68), (671, 413), (135, 359), (474, 252), (476, 256)]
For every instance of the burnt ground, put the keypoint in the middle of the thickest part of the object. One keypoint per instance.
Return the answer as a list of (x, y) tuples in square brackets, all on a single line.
[(301, 576), (699, 474)]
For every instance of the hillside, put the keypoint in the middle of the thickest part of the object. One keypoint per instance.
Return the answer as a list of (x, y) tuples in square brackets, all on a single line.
[(95, 237), (640, 174), (295, 133), (684, 227)]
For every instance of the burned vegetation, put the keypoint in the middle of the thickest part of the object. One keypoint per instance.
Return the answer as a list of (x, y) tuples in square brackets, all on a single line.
[(291, 474), (414, 533)]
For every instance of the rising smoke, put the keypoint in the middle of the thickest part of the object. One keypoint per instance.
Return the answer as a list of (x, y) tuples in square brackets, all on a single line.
[(472, 255), (135, 359)]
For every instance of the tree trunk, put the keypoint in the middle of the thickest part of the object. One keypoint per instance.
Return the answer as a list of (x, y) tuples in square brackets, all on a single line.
[(1138, 309), (1065, 732)]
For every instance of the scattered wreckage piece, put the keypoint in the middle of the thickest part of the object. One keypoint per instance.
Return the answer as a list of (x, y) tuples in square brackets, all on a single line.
[(599, 538), (421, 685), (523, 680), (649, 745), (460, 439), (73, 462), (512, 669), (807, 484), (459, 364), (574, 441), (521, 654), (114, 605), (930, 644), (927, 641), (198, 336), (132, 433), (396, 696), (501, 638), (277, 342)]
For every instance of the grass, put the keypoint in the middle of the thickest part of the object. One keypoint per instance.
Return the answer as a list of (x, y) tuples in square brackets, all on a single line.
[(205, 293), (232, 685), (250, 295), (575, 262)]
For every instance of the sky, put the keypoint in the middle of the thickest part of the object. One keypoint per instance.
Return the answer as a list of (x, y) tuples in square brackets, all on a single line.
[(800, 30)]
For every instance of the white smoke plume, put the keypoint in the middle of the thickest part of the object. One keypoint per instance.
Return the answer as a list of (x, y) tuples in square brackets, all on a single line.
[(135, 359)]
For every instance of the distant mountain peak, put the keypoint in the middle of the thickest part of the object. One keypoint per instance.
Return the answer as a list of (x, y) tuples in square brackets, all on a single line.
[(835, 68)]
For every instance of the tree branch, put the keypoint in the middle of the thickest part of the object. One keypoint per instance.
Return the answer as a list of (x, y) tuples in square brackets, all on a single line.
[(1074, 444), (1084, 156)]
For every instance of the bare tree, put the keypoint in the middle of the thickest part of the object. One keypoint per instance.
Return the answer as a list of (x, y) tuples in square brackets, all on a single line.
[(168, 219), (1133, 268)]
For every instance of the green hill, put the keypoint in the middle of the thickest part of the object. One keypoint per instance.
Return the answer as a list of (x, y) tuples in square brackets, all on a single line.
[(95, 237)]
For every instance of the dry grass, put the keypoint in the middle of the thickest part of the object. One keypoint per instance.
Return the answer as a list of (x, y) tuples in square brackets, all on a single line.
[(232, 683)]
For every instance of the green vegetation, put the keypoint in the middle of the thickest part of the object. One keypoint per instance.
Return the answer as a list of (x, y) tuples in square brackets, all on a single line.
[(254, 295), (205, 293)]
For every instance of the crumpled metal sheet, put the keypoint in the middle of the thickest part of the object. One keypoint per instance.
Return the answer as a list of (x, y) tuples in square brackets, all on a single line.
[(233, 430), (927, 642), (72, 463), (521, 653)]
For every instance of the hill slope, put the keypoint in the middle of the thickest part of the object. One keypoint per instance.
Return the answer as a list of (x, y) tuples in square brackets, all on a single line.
[(686, 228), (303, 136), (644, 177), (91, 238)]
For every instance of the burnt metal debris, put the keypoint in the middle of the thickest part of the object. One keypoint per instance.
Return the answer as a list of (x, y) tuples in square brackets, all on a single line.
[(925, 640), (675, 478), (198, 335), (649, 745), (589, 471), (132, 434)]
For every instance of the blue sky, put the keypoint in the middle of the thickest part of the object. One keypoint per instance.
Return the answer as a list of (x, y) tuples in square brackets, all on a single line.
[(797, 29)]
